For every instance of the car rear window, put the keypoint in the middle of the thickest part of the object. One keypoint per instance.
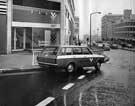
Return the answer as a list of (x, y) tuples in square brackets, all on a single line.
[(77, 51), (85, 51), (68, 51), (50, 51)]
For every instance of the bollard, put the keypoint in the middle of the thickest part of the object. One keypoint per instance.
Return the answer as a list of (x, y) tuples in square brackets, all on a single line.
[(34, 57)]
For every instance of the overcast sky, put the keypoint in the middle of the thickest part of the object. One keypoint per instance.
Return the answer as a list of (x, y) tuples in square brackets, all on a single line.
[(85, 7)]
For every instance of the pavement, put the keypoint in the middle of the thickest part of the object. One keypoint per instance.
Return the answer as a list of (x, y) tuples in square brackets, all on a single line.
[(17, 62)]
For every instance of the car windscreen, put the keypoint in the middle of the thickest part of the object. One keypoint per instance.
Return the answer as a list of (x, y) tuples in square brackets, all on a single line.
[(50, 51)]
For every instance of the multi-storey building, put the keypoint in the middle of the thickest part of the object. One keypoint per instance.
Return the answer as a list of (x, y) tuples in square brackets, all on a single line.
[(119, 27), (107, 22), (27, 24), (125, 28)]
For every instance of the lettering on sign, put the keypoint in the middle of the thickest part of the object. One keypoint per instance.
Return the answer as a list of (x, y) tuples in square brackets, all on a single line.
[(91, 59)]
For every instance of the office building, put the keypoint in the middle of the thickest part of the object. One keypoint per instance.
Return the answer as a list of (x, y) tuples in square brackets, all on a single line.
[(107, 22), (125, 28)]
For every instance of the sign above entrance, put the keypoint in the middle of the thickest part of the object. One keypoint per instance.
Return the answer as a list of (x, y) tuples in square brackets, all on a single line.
[(34, 25)]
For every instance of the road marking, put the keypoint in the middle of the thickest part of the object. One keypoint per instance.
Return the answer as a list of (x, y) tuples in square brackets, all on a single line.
[(96, 98), (65, 99), (80, 98), (89, 72), (46, 101), (81, 77), (68, 86), (108, 62)]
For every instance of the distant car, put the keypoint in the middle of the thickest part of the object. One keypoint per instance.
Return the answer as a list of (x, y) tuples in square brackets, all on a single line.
[(100, 45), (114, 46), (103, 46), (70, 58), (129, 45), (106, 48)]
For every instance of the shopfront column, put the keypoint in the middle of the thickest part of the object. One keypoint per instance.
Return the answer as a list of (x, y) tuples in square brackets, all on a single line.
[(9, 21), (14, 48), (62, 22), (24, 38)]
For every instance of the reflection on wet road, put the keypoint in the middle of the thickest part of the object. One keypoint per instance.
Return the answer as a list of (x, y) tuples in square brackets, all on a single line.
[(33, 88)]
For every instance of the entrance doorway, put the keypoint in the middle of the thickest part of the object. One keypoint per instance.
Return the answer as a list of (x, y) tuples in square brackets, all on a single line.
[(47, 36), (21, 38), (18, 39)]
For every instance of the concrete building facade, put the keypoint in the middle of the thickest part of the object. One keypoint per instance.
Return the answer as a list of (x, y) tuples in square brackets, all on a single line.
[(107, 22), (27, 24), (125, 28), (119, 27)]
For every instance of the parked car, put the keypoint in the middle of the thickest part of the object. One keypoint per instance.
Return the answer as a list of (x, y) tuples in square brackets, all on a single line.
[(114, 46), (100, 45), (106, 48), (129, 45), (103, 46), (70, 58)]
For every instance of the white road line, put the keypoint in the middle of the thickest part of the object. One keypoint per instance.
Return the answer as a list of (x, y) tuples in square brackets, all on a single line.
[(80, 98), (89, 72), (81, 77), (46, 101), (96, 98), (68, 86), (108, 62), (65, 99)]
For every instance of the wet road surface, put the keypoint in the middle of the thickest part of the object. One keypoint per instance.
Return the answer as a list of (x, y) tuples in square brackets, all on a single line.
[(113, 86), (117, 88), (29, 89)]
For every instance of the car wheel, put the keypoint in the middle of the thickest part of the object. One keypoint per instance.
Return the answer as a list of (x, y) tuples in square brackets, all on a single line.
[(70, 68), (98, 66)]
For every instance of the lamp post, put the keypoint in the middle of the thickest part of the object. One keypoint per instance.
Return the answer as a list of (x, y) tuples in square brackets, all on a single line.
[(90, 24), (97, 34)]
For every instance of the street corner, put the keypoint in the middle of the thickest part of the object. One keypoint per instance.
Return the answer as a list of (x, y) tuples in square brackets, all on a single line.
[(19, 69), (30, 68), (8, 70)]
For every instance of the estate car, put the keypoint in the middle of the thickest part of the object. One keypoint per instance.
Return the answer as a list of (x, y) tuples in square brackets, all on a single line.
[(70, 58)]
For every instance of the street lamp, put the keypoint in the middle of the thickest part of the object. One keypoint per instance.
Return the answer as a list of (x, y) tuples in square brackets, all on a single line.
[(90, 24)]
